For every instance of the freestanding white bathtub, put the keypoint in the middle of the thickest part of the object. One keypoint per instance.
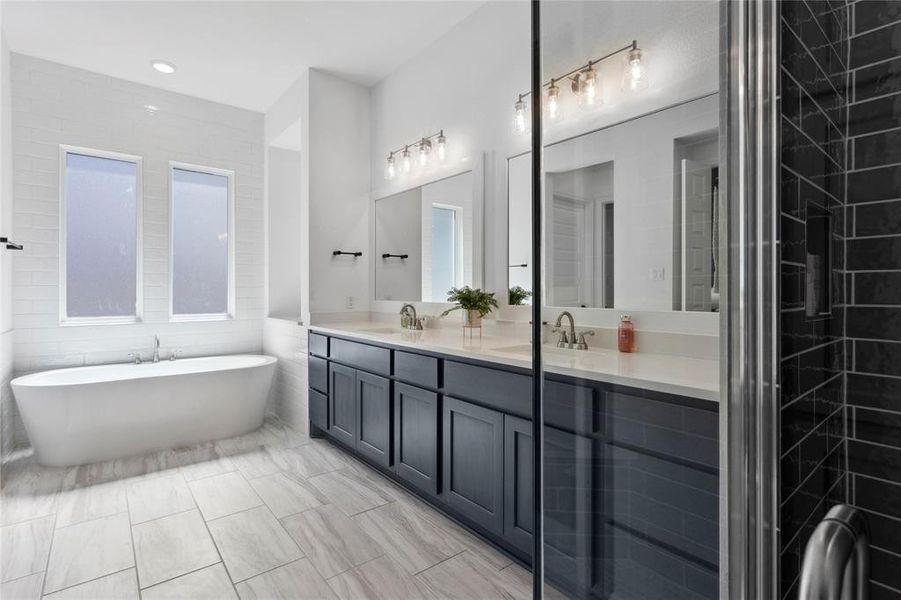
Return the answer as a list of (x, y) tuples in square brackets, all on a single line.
[(90, 414)]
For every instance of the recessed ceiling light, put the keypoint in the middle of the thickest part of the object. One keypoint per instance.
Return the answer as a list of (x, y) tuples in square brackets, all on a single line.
[(163, 66)]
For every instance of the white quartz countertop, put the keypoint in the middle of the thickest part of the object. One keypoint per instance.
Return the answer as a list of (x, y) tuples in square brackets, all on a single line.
[(684, 376)]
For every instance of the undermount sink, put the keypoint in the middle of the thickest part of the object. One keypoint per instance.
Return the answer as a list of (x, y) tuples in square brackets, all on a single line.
[(381, 330), (526, 350)]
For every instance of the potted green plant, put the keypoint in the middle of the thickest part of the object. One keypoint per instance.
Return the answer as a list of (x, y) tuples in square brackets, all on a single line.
[(474, 303), (517, 295)]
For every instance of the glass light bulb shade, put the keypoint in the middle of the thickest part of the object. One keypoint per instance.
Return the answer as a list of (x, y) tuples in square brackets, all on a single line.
[(425, 148), (554, 109), (590, 89), (406, 162), (441, 148), (635, 74), (390, 170), (520, 118)]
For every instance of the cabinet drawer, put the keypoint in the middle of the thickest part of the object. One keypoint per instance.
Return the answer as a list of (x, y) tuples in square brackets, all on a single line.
[(318, 344), (505, 391), (318, 410), (318, 373), (363, 356), (416, 369), (666, 428), (570, 407)]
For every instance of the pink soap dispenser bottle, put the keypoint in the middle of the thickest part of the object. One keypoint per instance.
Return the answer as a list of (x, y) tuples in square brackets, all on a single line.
[(626, 334)]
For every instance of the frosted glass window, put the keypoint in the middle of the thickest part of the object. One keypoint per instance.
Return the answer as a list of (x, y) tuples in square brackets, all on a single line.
[(200, 243), (101, 237), (444, 251)]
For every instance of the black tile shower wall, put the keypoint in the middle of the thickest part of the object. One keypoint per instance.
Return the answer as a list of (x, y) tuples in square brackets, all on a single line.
[(814, 95), (874, 283)]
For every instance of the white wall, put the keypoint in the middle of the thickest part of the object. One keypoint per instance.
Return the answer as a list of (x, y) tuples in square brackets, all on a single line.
[(55, 104), (287, 341), (285, 224), (10, 431), (398, 230), (337, 165), (467, 81)]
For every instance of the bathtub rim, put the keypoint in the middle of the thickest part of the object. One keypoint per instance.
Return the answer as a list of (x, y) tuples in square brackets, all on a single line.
[(32, 380)]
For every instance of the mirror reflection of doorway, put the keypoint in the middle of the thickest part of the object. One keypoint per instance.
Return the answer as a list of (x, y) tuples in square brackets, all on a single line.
[(579, 259)]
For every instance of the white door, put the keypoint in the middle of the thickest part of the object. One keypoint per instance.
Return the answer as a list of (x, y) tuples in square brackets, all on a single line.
[(571, 253), (697, 220)]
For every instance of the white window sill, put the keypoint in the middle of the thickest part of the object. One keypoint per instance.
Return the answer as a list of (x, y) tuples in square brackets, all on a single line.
[(95, 321), (195, 318)]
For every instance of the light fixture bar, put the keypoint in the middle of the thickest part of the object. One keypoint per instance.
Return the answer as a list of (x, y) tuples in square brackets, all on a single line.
[(423, 146), (588, 65), (415, 143)]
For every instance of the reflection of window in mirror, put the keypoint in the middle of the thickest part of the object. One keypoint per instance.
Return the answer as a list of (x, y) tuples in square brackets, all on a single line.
[(818, 264), (446, 271)]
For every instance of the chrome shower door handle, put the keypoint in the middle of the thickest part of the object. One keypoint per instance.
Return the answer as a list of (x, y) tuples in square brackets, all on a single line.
[(836, 562)]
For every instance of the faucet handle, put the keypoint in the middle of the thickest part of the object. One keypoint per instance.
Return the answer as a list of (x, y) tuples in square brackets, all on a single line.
[(136, 356), (174, 354), (583, 343), (564, 339)]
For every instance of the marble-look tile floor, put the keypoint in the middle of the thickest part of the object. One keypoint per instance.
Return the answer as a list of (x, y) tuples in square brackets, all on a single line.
[(272, 514)]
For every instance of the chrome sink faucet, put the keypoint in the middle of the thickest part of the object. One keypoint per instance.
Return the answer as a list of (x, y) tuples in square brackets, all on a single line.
[(565, 341), (568, 337), (414, 322), (156, 349)]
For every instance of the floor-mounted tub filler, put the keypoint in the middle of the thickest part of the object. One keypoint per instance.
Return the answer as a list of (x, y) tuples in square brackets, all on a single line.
[(89, 414)]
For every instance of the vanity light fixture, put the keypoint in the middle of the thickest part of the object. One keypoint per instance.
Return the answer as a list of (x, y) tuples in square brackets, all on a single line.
[(424, 147), (585, 85), (163, 66), (442, 146), (406, 160), (553, 102), (635, 74), (520, 119)]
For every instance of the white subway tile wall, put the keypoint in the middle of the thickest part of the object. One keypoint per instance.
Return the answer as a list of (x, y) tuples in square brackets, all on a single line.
[(287, 341), (54, 104)]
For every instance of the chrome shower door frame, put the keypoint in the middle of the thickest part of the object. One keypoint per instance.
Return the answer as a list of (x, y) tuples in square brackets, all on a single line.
[(749, 415)]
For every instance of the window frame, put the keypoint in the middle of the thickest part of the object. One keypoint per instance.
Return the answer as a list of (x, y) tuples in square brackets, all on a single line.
[(230, 311), (64, 319)]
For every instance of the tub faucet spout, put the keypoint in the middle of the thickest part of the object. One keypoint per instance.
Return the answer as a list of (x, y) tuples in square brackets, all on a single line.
[(156, 349)]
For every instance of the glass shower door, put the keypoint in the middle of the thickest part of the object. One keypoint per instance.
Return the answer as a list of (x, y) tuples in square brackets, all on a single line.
[(627, 300)]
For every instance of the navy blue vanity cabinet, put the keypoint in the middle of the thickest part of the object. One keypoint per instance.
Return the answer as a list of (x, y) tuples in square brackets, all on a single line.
[(342, 404), (373, 426), (631, 496), (473, 453), (416, 437)]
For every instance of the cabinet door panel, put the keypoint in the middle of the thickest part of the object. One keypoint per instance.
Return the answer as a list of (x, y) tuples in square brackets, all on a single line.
[(318, 410), (519, 515), (374, 418), (342, 403), (473, 462), (416, 436), (568, 489)]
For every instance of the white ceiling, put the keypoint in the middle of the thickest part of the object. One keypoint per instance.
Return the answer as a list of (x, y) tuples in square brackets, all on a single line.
[(240, 53)]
